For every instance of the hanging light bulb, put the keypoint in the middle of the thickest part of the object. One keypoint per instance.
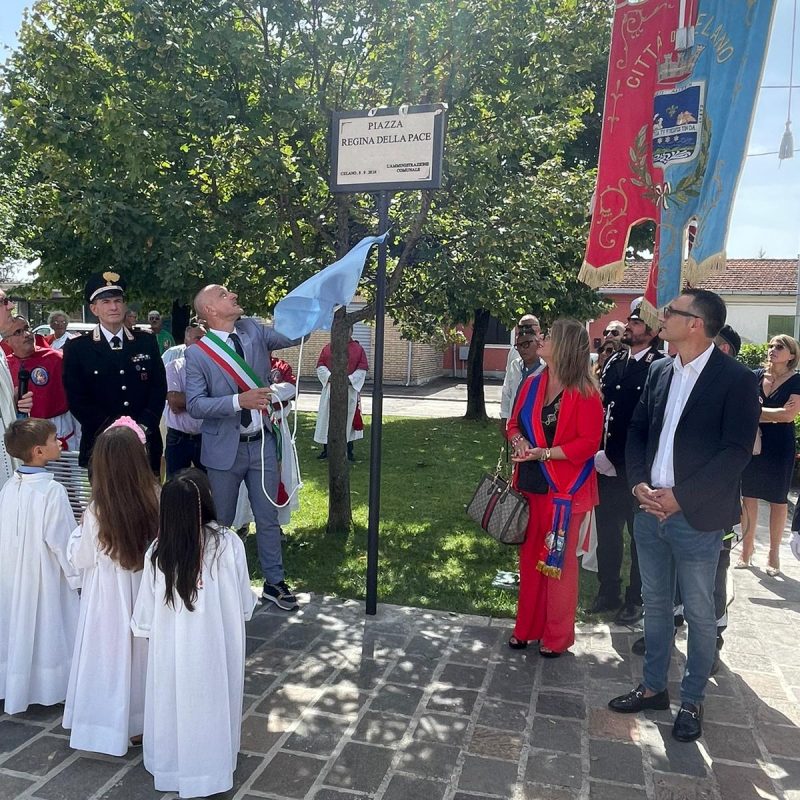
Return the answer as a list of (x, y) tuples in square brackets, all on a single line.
[(787, 143), (786, 149)]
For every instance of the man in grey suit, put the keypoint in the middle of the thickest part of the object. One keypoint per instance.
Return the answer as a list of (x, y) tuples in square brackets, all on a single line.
[(232, 432)]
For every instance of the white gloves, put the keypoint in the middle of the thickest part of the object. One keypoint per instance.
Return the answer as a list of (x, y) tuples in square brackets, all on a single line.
[(603, 465), (794, 543)]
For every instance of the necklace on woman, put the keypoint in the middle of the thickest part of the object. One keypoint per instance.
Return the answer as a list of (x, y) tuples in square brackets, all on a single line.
[(776, 381)]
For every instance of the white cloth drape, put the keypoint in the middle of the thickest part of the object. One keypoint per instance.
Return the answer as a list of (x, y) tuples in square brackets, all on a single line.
[(356, 380)]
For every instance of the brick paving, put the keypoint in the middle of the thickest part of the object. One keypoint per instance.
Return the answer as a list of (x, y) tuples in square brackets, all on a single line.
[(417, 705)]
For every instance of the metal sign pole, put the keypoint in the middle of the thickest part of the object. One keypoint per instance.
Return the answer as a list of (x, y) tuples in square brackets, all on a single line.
[(377, 413)]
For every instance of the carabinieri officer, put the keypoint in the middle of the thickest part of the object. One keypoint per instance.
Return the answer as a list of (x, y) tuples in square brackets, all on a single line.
[(622, 382), (114, 372)]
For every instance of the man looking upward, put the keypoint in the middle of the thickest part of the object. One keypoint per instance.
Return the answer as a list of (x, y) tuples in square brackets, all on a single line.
[(239, 442), (113, 372), (690, 437)]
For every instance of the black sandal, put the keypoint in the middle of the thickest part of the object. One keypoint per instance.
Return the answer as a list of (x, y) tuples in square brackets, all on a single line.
[(548, 653), (517, 644)]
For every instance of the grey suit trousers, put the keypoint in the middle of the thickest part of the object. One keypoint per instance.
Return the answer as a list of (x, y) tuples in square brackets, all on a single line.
[(225, 488)]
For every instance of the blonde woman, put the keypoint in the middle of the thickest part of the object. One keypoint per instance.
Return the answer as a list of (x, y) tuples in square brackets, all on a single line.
[(554, 431), (769, 474)]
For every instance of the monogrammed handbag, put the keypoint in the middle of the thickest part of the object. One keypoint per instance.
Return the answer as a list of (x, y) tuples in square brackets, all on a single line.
[(499, 509)]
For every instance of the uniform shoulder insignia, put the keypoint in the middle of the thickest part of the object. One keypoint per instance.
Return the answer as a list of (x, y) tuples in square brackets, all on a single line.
[(649, 357)]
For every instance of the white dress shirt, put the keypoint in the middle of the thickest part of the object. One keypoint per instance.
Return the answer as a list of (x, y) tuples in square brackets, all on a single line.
[(255, 424), (684, 378), (58, 344), (120, 334)]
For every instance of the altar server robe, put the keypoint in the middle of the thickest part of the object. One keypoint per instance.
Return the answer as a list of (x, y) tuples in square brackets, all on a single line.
[(8, 413), (105, 697), (195, 671), (38, 592), (357, 367)]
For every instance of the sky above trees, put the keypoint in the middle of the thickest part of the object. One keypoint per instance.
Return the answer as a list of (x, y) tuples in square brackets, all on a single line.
[(767, 204)]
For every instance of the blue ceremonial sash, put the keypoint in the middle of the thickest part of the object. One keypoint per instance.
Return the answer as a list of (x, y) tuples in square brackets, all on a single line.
[(551, 559)]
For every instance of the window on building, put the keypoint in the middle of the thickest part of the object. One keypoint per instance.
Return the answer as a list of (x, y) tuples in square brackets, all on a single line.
[(497, 333), (780, 323)]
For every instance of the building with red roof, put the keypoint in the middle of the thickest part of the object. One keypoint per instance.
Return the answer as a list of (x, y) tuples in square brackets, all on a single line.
[(761, 295)]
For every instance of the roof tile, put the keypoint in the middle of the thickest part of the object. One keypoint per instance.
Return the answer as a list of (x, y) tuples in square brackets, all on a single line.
[(741, 276)]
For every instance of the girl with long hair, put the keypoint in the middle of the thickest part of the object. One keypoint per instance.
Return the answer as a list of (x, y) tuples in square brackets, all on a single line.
[(105, 697), (193, 602), (554, 430)]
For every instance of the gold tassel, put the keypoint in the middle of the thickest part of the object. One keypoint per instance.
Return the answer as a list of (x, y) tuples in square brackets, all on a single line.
[(649, 314), (695, 273), (601, 276)]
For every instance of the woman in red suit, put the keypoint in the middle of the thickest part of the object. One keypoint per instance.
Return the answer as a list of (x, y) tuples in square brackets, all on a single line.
[(554, 431)]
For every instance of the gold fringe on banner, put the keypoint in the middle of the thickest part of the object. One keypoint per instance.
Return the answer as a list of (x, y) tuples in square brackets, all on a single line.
[(649, 315), (695, 273), (602, 276)]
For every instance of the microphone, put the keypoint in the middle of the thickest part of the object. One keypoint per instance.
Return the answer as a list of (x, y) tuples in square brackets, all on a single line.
[(24, 376)]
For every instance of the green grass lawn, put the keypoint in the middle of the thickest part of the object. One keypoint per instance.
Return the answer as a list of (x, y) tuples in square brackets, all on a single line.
[(431, 554)]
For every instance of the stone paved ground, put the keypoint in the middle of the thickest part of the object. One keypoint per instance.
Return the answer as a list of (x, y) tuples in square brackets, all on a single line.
[(413, 705)]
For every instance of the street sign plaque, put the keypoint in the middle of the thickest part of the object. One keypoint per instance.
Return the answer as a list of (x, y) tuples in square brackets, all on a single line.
[(388, 149)]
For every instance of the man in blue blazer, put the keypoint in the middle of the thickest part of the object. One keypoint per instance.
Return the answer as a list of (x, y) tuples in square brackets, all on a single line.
[(233, 437), (690, 437)]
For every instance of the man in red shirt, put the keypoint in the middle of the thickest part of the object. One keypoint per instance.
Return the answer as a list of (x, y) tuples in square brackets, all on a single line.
[(43, 366)]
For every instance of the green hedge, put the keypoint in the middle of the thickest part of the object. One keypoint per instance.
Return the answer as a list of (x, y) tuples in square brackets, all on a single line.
[(753, 355)]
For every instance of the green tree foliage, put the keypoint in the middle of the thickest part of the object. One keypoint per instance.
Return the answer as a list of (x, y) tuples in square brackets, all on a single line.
[(185, 143), (753, 355)]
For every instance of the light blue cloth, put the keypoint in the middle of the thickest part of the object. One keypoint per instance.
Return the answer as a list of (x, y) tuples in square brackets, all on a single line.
[(734, 36), (310, 306)]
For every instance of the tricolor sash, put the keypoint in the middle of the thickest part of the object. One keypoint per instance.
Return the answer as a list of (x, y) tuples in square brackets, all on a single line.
[(552, 556), (240, 372)]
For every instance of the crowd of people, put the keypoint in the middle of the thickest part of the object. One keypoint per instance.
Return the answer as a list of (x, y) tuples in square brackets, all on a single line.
[(110, 614), (675, 450)]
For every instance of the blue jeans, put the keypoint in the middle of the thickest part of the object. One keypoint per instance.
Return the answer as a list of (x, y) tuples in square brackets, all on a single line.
[(182, 451), (673, 551)]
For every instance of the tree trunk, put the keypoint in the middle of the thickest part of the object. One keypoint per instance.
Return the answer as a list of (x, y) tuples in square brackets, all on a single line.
[(181, 313), (340, 515), (476, 404)]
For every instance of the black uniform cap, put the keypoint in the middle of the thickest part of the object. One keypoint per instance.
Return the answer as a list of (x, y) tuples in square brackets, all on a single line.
[(732, 338), (104, 284)]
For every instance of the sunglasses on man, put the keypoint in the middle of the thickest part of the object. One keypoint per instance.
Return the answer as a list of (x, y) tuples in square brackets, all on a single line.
[(669, 311), (523, 345), (612, 332)]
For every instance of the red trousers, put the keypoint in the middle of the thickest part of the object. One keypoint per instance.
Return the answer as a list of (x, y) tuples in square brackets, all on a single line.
[(546, 606)]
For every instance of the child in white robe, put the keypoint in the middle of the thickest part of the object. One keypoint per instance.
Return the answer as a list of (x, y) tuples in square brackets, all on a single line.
[(193, 602), (105, 697), (38, 587)]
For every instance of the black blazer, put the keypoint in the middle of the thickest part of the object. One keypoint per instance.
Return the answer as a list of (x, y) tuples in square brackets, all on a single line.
[(713, 441), (103, 384), (622, 384)]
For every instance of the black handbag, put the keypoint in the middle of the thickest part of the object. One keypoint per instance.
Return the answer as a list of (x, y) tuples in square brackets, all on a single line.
[(499, 509)]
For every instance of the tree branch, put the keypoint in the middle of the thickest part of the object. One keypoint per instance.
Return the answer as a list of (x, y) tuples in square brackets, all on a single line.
[(414, 234)]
